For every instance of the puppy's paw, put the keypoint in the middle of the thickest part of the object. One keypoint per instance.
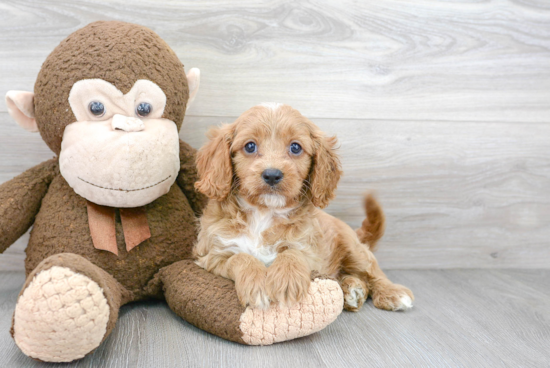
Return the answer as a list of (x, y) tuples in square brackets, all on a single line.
[(251, 291), (355, 293), (392, 297), (287, 283)]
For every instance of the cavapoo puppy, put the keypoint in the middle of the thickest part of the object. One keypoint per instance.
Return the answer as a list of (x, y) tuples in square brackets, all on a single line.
[(267, 176)]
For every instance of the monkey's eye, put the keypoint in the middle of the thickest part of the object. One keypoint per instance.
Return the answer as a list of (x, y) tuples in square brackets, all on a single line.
[(295, 148), (250, 147), (97, 108), (144, 109)]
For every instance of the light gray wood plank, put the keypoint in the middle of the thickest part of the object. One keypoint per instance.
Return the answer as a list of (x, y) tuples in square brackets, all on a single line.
[(404, 60), (456, 194), (461, 318)]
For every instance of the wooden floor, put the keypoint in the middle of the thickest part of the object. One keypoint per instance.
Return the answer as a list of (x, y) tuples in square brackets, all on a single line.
[(461, 318)]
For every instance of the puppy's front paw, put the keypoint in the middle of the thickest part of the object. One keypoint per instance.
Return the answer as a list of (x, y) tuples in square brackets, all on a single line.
[(287, 282), (392, 297), (250, 286)]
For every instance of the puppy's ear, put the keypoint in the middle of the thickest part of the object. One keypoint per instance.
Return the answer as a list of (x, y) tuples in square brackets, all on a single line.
[(326, 170), (214, 164)]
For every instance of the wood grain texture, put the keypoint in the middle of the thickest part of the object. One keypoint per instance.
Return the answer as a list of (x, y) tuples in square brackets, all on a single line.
[(461, 318), (394, 59), (441, 107)]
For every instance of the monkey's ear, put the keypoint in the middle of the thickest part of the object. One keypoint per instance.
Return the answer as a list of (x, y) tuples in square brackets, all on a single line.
[(193, 81), (21, 108)]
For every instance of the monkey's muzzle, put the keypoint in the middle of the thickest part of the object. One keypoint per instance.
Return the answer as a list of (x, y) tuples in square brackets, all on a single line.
[(121, 162)]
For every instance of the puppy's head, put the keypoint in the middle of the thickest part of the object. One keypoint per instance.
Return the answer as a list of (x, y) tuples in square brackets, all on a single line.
[(271, 156)]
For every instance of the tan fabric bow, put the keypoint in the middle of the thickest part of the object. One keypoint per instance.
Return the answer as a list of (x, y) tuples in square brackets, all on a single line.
[(101, 220)]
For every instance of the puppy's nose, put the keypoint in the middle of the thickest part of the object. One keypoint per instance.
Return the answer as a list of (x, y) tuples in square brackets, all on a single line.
[(127, 124), (272, 176)]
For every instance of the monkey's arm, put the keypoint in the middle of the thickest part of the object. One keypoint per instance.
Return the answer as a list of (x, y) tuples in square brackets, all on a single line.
[(20, 200), (188, 176)]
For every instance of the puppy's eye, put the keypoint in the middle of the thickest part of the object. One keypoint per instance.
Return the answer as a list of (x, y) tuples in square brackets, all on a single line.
[(295, 148), (97, 108), (250, 147), (144, 109)]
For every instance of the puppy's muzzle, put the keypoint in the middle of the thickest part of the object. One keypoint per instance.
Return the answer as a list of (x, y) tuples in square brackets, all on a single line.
[(272, 176)]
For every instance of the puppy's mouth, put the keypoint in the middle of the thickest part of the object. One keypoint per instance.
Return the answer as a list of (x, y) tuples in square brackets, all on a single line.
[(275, 190), (273, 200), (126, 190)]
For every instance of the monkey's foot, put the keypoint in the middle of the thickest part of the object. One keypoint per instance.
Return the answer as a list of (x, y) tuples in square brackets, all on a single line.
[(210, 302), (321, 306), (61, 316)]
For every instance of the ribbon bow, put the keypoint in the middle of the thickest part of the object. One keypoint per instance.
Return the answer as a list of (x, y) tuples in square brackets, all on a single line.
[(101, 220)]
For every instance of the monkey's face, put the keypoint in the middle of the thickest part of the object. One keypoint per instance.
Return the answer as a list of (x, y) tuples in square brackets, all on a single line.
[(119, 152)]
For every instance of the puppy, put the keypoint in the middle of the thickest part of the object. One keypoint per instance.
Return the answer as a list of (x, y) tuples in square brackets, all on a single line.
[(267, 176)]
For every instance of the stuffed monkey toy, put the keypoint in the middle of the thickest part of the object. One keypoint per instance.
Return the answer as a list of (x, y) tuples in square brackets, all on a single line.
[(114, 211)]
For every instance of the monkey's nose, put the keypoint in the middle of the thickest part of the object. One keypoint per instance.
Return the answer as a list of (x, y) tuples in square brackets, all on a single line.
[(127, 124), (272, 176)]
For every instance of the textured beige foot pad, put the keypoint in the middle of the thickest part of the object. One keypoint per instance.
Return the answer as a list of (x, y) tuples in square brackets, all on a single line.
[(61, 316), (320, 308)]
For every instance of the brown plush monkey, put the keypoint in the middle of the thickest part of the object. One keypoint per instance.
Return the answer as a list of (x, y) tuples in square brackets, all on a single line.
[(114, 212)]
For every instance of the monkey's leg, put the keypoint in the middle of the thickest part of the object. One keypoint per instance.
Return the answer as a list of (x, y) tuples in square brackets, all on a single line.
[(210, 302), (66, 308)]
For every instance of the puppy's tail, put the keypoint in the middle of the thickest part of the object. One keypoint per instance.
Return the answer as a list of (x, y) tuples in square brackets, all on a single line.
[(374, 225)]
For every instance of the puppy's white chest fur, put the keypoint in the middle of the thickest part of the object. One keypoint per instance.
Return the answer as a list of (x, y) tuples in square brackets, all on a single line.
[(251, 240)]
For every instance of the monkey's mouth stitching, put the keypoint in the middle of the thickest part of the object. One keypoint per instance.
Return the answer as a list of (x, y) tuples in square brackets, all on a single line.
[(126, 190)]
